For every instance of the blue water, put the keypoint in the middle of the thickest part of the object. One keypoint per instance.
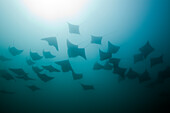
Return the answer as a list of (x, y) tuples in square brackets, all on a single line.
[(128, 24)]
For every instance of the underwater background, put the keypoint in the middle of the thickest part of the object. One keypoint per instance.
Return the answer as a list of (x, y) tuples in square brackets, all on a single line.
[(129, 24)]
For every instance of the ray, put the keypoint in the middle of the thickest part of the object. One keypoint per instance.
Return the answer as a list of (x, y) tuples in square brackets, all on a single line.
[(52, 41)]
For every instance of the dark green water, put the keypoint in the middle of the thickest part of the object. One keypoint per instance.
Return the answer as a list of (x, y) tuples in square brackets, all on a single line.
[(128, 24)]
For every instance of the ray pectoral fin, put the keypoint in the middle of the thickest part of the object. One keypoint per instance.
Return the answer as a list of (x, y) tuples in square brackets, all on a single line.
[(97, 66), (138, 58), (65, 65), (51, 68), (33, 87), (96, 39), (87, 87), (74, 29), (35, 56), (146, 50), (112, 48), (104, 55), (14, 51), (76, 76), (47, 54), (156, 60), (52, 41)]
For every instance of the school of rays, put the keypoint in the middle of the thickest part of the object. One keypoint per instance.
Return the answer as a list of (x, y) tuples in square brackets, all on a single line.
[(74, 51)]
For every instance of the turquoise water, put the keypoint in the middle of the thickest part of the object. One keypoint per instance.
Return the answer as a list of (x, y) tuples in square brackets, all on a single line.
[(128, 24)]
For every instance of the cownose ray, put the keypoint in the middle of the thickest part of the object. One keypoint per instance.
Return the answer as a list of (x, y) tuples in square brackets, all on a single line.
[(97, 66), (96, 39), (146, 50), (24, 77), (18, 71), (115, 62), (36, 69), (14, 51), (48, 55), (73, 29), (65, 65), (82, 53), (21, 74), (74, 51), (138, 58), (112, 48), (120, 71), (35, 56), (77, 76), (52, 41), (50, 68), (44, 77), (104, 55), (33, 87), (107, 66), (131, 74), (156, 60), (87, 87), (30, 62)]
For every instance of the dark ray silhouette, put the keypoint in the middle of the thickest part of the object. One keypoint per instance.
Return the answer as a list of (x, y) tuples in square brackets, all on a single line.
[(21, 74), (162, 76), (47, 54), (65, 65), (97, 66), (107, 66), (156, 60), (115, 62), (24, 77), (138, 57), (35, 56), (87, 87), (52, 41), (82, 53), (96, 40), (146, 49), (76, 76), (2, 58), (33, 88), (131, 74), (104, 55), (4, 74), (74, 51), (44, 77), (73, 29), (36, 69), (71, 45), (14, 51), (120, 71), (112, 48), (18, 71), (50, 68), (30, 62), (144, 77)]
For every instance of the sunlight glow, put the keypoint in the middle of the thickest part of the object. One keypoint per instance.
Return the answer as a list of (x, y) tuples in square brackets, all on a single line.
[(55, 9)]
